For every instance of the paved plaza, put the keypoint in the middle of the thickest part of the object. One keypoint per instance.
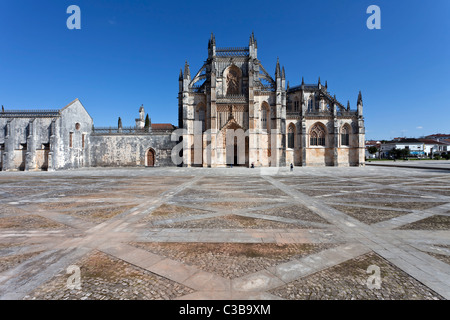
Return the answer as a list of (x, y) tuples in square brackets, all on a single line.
[(371, 232)]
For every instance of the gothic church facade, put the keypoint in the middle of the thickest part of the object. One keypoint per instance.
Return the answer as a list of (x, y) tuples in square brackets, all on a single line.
[(303, 125)]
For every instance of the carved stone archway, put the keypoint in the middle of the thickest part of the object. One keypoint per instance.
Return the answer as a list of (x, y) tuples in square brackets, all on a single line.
[(150, 158)]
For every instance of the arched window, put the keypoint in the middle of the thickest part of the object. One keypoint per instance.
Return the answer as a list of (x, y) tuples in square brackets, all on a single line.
[(291, 136), (264, 116), (296, 105), (200, 114), (345, 135), (310, 104), (317, 136)]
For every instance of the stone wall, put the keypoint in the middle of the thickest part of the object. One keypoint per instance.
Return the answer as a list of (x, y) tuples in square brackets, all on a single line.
[(130, 150)]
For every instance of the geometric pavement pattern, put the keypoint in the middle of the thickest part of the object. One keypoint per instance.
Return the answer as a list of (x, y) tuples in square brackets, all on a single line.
[(228, 233)]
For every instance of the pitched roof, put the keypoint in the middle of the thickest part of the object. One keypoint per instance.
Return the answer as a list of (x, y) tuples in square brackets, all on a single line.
[(438, 135), (431, 141), (163, 126)]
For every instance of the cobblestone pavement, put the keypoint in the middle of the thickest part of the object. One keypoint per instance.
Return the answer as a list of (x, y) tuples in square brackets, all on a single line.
[(106, 278), (229, 233), (348, 281), (232, 260)]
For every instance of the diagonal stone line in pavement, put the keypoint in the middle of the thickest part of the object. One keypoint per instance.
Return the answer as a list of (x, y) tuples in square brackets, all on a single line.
[(432, 249), (282, 219), (18, 282), (188, 275), (243, 236), (281, 274), (396, 222)]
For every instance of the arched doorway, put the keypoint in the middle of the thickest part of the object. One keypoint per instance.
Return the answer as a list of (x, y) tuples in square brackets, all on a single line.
[(150, 158)]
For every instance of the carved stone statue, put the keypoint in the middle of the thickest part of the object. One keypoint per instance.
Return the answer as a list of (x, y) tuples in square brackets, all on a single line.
[(232, 82)]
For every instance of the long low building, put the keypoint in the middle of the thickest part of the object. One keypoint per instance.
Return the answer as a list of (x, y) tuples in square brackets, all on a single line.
[(67, 139), (417, 147)]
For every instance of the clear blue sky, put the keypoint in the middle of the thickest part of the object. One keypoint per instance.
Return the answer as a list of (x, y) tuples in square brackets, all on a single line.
[(129, 53)]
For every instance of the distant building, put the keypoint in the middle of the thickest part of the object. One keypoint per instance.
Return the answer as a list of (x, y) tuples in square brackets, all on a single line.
[(435, 146), (438, 136), (373, 143), (418, 147)]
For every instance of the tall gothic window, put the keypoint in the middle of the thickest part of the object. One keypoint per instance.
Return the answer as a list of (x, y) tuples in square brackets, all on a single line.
[(70, 139), (291, 136), (296, 105), (200, 115), (264, 115), (310, 105), (317, 136), (345, 136)]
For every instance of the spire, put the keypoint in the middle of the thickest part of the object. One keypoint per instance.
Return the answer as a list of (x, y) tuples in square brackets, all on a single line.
[(187, 72), (277, 69), (303, 81), (348, 105), (288, 85), (211, 46), (359, 105), (253, 40), (181, 75), (319, 80), (326, 84), (283, 74)]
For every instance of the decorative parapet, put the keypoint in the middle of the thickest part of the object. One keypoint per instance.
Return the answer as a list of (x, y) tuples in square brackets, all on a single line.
[(30, 113), (233, 98), (232, 52), (101, 131)]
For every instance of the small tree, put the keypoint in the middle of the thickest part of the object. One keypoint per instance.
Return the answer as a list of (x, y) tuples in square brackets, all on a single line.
[(119, 124), (147, 122), (372, 150), (404, 153), (399, 153)]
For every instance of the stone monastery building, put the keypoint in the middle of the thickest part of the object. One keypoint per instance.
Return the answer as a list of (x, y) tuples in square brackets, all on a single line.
[(231, 112)]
